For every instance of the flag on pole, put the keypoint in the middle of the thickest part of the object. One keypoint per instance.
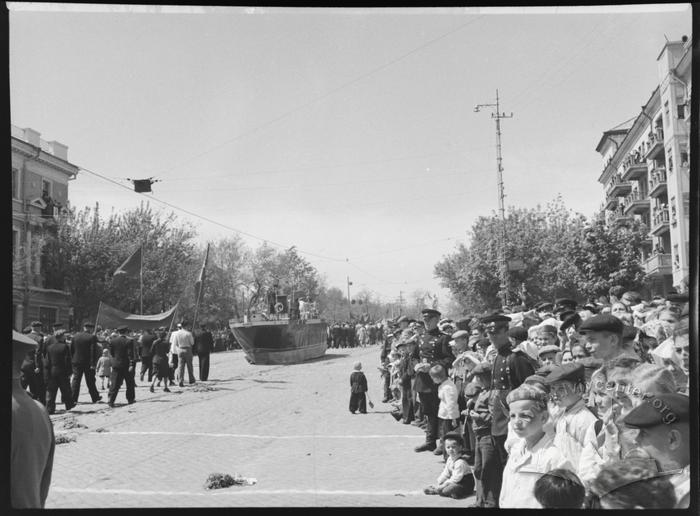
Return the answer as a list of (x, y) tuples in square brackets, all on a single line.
[(131, 266), (202, 273)]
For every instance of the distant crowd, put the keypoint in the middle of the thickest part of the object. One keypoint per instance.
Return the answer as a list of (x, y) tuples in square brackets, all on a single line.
[(559, 405)]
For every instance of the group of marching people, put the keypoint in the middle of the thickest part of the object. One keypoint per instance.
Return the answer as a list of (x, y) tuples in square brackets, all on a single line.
[(61, 360), (351, 335), (558, 406)]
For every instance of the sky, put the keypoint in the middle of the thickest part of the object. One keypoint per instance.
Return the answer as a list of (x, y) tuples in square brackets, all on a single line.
[(348, 133)]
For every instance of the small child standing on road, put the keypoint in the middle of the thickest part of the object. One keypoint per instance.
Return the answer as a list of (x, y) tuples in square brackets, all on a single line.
[(104, 368), (456, 479), (448, 410), (358, 388)]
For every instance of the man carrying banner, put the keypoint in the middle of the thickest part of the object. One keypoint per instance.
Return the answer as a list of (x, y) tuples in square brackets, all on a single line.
[(123, 352)]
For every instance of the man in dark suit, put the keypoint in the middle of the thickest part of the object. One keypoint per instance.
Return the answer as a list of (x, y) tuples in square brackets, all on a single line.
[(203, 343), (434, 349), (37, 384), (57, 370), (83, 347), (123, 352), (145, 343)]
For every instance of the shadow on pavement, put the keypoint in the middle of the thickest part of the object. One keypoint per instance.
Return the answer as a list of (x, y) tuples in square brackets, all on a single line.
[(269, 381)]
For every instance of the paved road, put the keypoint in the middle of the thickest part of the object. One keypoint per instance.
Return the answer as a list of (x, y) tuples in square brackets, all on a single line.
[(287, 426)]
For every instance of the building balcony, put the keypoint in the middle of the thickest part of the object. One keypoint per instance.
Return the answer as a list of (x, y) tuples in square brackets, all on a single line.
[(657, 182), (634, 170), (655, 145), (618, 216), (658, 265), (617, 187), (659, 221), (636, 202), (610, 203)]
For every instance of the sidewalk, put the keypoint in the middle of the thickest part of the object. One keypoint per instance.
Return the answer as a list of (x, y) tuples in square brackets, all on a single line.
[(287, 426)]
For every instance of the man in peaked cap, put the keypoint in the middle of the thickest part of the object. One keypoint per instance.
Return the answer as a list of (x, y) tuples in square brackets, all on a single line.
[(508, 372), (83, 347), (676, 302), (57, 371), (32, 438), (564, 303), (544, 310), (434, 350), (663, 421), (567, 386), (123, 352)]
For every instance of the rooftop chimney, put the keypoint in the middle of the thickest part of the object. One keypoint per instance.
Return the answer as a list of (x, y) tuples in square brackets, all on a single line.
[(32, 136), (59, 150)]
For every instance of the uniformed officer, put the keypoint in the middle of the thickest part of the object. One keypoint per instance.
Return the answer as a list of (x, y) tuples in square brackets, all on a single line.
[(509, 372), (83, 347), (123, 352), (38, 386), (663, 421), (57, 370), (564, 304), (544, 310), (384, 365), (434, 349)]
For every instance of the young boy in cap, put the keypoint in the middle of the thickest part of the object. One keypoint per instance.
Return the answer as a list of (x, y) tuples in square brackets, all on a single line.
[(663, 422), (567, 384), (532, 456), (358, 388)]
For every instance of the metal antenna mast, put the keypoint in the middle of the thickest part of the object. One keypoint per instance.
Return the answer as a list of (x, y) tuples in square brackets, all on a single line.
[(503, 266)]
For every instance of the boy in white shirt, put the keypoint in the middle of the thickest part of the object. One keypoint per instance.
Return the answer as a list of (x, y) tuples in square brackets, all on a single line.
[(456, 479), (448, 410), (534, 454)]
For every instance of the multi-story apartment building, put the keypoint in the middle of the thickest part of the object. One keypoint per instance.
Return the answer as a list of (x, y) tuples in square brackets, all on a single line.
[(40, 175), (646, 171)]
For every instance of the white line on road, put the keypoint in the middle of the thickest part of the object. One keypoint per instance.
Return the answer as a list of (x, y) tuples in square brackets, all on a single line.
[(92, 490), (254, 436)]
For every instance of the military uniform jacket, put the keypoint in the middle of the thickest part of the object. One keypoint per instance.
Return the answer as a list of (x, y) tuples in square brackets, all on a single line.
[(433, 348), (40, 350), (83, 348), (123, 353), (509, 371), (58, 359)]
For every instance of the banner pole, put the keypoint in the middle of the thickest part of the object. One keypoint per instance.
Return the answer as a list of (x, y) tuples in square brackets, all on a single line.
[(141, 280), (201, 287), (97, 318)]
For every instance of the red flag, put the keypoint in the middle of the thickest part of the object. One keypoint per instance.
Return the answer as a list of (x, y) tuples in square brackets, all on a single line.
[(131, 266), (202, 273)]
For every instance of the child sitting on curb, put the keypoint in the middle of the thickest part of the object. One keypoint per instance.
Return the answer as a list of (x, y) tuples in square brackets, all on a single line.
[(456, 480)]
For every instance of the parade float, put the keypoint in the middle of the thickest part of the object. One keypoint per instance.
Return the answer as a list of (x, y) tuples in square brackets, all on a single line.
[(283, 336)]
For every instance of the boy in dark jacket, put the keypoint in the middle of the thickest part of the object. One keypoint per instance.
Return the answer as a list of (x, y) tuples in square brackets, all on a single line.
[(358, 387), (480, 417)]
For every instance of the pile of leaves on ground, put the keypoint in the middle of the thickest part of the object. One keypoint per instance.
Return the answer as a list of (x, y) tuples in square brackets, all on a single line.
[(203, 388), (65, 438), (222, 480), (71, 423)]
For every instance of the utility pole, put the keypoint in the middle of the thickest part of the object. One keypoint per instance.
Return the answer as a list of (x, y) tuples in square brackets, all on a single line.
[(349, 306), (502, 264), (400, 301)]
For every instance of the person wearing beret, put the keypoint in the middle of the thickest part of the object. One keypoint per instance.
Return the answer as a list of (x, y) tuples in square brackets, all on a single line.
[(83, 347), (508, 372), (567, 385), (32, 438), (433, 349), (663, 423), (123, 352), (57, 371)]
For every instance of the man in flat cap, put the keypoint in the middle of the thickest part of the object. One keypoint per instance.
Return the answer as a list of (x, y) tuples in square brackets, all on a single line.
[(83, 347), (123, 351), (663, 421), (32, 438), (604, 333), (508, 372), (567, 385), (57, 371), (434, 349)]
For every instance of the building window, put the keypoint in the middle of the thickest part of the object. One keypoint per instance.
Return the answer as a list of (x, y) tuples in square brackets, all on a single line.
[(45, 188), (15, 183), (666, 117), (670, 162), (676, 257), (48, 316), (684, 157)]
